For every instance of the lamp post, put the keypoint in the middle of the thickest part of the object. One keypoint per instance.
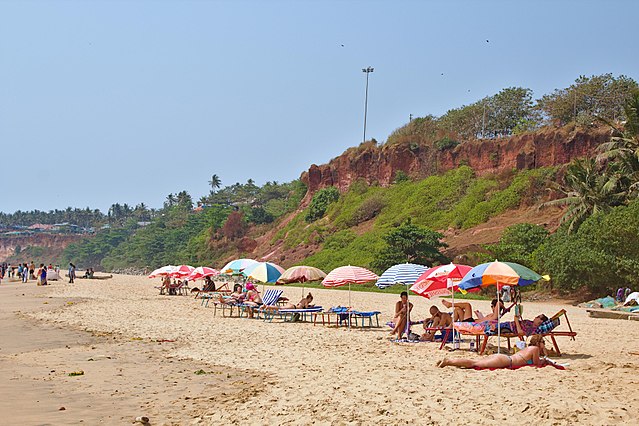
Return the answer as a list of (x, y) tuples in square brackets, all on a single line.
[(367, 71)]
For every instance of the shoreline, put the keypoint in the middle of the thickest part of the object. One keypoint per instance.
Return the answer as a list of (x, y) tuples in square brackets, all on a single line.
[(283, 373)]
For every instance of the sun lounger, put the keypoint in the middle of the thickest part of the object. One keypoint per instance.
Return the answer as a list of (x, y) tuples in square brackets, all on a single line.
[(363, 316), (547, 329), (269, 301), (285, 313)]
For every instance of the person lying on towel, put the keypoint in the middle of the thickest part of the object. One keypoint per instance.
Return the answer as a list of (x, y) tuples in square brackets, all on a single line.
[(532, 355), (437, 319)]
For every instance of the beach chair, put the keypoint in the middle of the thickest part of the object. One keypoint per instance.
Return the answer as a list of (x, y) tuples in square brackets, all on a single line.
[(363, 316), (547, 329), (269, 301), (341, 313), (290, 314)]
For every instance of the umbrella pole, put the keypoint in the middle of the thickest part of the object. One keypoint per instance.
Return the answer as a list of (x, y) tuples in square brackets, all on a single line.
[(449, 282), (498, 319), (407, 328), (349, 306)]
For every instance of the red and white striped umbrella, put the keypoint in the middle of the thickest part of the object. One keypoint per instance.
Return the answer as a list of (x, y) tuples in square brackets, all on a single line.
[(162, 272), (182, 271), (348, 275), (440, 281), (202, 272)]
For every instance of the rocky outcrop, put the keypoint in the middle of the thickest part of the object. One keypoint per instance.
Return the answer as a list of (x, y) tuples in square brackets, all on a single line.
[(379, 164)]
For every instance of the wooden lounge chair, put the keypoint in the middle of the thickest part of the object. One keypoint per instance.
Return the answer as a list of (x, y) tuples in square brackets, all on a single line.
[(553, 333), (289, 314)]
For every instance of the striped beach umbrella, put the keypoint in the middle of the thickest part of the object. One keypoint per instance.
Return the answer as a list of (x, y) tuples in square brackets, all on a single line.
[(162, 272), (349, 275), (404, 273), (235, 267), (441, 280), (202, 272), (499, 274), (265, 272), (182, 271)]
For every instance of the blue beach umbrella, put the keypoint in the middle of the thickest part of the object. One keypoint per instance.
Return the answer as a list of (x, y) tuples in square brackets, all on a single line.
[(404, 273), (265, 272)]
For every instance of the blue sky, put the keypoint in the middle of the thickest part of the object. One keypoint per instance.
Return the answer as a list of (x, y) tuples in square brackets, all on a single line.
[(128, 101)]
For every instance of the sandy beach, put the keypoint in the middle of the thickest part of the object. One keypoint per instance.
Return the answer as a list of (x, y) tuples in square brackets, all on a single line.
[(139, 353)]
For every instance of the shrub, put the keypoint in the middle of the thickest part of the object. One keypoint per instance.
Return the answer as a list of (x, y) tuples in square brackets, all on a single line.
[(320, 202), (446, 143)]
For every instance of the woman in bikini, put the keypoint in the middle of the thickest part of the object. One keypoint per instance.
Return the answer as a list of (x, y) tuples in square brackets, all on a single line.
[(494, 315), (253, 299), (532, 355), (402, 310)]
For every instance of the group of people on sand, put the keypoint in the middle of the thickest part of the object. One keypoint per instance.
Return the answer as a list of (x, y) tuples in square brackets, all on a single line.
[(249, 296), (26, 271), (463, 312)]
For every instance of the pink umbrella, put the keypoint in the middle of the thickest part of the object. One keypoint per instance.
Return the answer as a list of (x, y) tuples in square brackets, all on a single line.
[(182, 271), (202, 272), (162, 272), (440, 280), (348, 275)]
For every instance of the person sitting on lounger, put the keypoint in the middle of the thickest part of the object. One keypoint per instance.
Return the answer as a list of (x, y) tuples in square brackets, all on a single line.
[(402, 309), (532, 355), (235, 298), (463, 311), (521, 326), (494, 315), (253, 299), (437, 319)]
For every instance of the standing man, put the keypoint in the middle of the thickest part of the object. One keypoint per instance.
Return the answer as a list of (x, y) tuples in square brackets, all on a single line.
[(71, 272)]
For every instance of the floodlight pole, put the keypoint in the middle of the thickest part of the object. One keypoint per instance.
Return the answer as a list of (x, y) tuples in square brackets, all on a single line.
[(367, 70)]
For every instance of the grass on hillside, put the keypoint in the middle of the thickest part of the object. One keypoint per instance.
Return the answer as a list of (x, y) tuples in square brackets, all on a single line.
[(456, 199)]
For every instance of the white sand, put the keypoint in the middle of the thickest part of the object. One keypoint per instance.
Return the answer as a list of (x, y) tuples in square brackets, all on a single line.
[(327, 375)]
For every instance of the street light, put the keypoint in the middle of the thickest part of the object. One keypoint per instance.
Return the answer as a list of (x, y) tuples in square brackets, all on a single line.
[(367, 71)]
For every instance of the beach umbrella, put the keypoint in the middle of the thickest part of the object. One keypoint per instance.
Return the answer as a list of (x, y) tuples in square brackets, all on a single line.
[(202, 272), (162, 272), (499, 274), (348, 275), (235, 267), (440, 280), (301, 274), (265, 272), (182, 271), (404, 273)]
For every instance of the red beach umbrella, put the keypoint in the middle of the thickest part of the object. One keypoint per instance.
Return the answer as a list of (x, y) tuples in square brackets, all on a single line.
[(202, 272), (440, 281)]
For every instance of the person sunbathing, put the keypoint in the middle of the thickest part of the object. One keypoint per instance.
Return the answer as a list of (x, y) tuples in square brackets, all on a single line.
[(402, 310), (494, 315), (253, 299), (303, 304), (532, 355), (521, 326), (463, 311), (437, 319), (235, 298)]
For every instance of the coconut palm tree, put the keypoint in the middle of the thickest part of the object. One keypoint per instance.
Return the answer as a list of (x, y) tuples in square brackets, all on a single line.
[(215, 182), (623, 147), (588, 189)]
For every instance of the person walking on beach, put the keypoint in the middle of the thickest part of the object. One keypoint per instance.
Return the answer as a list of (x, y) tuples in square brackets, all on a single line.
[(71, 272), (25, 273)]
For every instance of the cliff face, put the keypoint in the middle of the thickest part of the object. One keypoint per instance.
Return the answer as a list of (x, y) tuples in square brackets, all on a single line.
[(373, 164), (52, 246)]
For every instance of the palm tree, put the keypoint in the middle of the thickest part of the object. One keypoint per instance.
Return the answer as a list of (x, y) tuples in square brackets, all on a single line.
[(588, 189), (623, 148), (215, 182)]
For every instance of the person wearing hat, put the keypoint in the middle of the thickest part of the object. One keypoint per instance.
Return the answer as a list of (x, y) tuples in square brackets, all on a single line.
[(253, 299)]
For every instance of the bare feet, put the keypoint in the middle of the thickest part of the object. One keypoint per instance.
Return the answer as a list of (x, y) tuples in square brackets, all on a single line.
[(443, 363), (446, 303)]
